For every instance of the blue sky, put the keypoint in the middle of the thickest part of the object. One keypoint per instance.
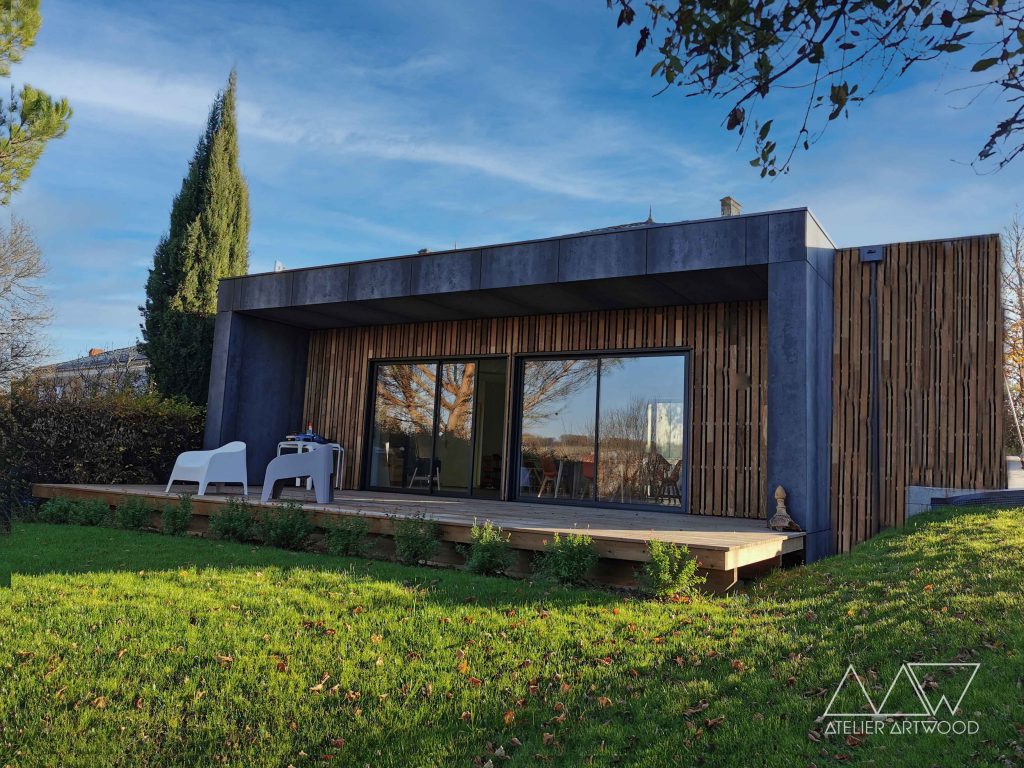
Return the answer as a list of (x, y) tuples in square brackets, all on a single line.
[(376, 129)]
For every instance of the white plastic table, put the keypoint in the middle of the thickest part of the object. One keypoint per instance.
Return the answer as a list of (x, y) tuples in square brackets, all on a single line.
[(304, 445)]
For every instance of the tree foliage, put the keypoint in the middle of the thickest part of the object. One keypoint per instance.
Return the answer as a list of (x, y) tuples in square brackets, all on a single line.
[(836, 52), (1013, 313), (23, 308), (29, 118), (208, 239)]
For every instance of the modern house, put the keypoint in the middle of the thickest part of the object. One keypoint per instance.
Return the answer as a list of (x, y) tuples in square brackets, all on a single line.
[(688, 368)]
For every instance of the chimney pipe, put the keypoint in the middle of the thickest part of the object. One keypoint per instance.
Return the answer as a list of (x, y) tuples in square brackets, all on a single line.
[(730, 207)]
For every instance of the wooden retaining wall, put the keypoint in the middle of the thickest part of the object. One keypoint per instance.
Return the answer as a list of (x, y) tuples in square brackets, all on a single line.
[(939, 385), (729, 379)]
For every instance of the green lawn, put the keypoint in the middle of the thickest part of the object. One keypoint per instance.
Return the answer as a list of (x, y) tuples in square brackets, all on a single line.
[(141, 650)]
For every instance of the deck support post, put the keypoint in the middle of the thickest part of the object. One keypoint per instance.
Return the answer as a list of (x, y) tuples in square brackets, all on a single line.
[(800, 377)]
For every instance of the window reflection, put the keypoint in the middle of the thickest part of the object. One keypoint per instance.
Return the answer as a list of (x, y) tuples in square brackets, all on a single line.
[(635, 454)]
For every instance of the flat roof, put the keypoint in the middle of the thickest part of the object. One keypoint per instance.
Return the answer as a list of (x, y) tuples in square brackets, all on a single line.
[(724, 258)]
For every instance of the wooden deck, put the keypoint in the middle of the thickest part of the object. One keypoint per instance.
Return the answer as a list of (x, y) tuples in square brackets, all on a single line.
[(723, 544)]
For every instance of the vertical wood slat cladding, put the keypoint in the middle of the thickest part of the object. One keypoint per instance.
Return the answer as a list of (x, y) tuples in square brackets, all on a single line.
[(728, 378), (940, 348)]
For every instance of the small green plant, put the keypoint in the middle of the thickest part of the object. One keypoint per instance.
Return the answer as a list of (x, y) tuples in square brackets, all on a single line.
[(56, 511), (489, 553), (133, 514), (416, 538), (347, 537), (671, 571), (285, 526), (235, 521), (566, 559), (90, 512), (176, 517)]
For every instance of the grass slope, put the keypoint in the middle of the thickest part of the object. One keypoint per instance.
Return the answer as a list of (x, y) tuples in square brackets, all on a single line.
[(138, 650)]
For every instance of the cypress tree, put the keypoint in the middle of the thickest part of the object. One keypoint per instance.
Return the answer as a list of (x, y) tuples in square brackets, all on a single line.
[(208, 239)]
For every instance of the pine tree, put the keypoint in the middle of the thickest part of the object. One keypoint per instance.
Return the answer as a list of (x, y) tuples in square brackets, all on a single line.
[(208, 239)]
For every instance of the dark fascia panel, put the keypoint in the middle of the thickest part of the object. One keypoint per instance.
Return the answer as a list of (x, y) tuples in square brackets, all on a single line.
[(697, 287), (463, 282)]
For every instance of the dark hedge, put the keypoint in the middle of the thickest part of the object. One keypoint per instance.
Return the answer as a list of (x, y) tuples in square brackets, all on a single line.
[(117, 438)]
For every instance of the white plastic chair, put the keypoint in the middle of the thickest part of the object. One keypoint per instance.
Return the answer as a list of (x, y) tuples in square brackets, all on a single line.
[(317, 464), (221, 465)]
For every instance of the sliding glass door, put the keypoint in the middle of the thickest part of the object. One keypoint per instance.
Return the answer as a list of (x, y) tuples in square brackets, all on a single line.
[(433, 427), (604, 430)]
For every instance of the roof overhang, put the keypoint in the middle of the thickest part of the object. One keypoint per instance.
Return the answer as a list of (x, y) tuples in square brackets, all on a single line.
[(696, 262)]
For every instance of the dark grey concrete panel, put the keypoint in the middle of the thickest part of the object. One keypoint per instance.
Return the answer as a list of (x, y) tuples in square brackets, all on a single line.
[(256, 393), (446, 272), (320, 286), (757, 240), (379, 279), (605, 255), (702, 245), (227, 294), (799, 397), (223, 393), (787, 236), (525, 264), (270, 290)]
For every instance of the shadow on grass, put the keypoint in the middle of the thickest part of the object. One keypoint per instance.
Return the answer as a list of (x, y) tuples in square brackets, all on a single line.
[(36, 549)]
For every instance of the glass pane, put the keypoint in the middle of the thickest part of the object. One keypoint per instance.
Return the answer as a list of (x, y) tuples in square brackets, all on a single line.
[(641, 430), (403, 425), (559, 408), (490, 427), (454, 427)]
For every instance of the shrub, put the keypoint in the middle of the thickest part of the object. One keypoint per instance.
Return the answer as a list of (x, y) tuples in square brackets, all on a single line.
[(347, 537), (489, 553), (566, 559), (133, 514), (56, 511), (286, 526), (234, 521), (113, 439), (176, 517), (416, 538), (671, 571), (90, 512)]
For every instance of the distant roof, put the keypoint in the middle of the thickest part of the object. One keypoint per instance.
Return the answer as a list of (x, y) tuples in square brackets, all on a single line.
[(103, 359)]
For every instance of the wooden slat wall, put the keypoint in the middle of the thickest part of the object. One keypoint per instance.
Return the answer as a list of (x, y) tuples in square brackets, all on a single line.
[(941, 398), (729, 378)]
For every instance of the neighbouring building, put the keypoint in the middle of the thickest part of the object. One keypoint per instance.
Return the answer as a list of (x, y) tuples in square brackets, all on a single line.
[(97, 372), (689, 367)]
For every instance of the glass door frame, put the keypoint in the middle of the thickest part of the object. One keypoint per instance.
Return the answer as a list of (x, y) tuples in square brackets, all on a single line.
[(371, 409), (514, 450)]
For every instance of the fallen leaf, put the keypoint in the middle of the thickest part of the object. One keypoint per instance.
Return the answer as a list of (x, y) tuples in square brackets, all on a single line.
[(475, 681), (466, 717), (929, 587), (814, 736), (320, 686), (100, 702), (548, 738), (510, 717), (604, 701), (853, 741), (714, 722), (698, 707), (121, 653), (225, 660), (337, 742)]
